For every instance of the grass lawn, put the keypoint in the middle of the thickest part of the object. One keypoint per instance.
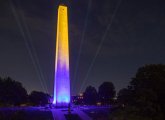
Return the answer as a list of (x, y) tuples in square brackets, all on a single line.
[(98, 113), (25, 114)]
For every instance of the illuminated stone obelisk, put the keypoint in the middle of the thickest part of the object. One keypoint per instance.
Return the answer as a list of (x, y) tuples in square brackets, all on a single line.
[(61, 78)]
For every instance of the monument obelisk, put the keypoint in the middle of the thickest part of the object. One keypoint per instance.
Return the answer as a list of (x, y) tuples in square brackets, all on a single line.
[(61, 77)]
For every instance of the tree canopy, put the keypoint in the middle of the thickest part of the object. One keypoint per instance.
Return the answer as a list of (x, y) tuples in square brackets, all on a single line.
[(144, 97), (90, 96), (106, 92), (38, 98), (12, 92)]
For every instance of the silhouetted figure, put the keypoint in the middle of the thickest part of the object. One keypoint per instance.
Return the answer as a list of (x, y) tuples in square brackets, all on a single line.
[(69, 109)]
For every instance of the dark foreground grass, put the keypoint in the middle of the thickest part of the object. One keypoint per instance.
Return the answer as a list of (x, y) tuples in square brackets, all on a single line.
[(72, 117), (25, 115), (98, 113)]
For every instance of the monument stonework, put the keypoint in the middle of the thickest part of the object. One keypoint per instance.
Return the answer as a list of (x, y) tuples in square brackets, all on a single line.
[(61, 76)]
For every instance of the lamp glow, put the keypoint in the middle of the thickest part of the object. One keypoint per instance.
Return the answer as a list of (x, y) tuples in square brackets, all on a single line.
[(61, 78)]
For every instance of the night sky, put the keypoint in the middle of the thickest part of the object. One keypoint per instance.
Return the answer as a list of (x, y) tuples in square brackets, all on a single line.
[(109, 41)]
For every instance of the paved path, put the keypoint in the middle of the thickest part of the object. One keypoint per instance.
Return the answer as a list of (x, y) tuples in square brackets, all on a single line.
[(81, 114), (58, 114)]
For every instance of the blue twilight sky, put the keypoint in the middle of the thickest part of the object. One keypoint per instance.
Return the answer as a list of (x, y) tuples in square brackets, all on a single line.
[(109, 41)]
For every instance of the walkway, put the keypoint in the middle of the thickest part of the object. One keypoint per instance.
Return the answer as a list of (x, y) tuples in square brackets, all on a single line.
[(58, 114)]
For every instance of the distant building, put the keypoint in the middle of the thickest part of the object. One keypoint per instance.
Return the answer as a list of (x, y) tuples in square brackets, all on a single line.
[(78, 99)]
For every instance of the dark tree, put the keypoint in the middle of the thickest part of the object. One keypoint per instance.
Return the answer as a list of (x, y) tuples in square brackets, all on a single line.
[(12, 92), (144, 97), (124, 96), (90, 96), (148, 86), (39, 98), (106, 93)]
